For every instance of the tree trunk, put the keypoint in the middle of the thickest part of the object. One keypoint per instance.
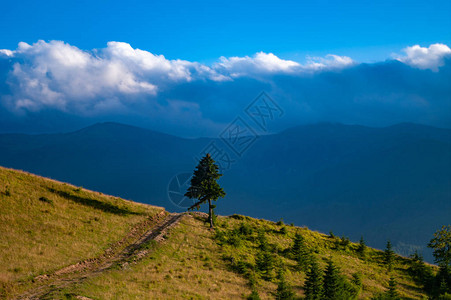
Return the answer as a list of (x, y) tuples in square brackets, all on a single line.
[(210, 213)]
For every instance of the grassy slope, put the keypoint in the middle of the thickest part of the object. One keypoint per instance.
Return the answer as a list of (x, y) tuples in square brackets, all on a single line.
[(188, 265), (70, 225), (191, 264), (39, 237)]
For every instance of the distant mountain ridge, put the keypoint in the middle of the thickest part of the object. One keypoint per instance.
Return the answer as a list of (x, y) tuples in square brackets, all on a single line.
[(392, 182)]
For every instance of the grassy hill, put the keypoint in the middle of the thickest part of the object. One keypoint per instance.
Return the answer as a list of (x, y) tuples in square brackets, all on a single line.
[(46, 225), (49, 226)]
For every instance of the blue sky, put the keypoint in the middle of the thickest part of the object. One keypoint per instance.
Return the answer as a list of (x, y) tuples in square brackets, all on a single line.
[(188, 68), (205, 30)]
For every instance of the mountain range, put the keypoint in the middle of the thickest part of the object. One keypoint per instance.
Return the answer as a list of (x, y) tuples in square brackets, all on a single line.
[(380, 183)]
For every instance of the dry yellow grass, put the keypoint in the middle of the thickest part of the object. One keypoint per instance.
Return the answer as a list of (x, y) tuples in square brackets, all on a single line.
[(46, 225)]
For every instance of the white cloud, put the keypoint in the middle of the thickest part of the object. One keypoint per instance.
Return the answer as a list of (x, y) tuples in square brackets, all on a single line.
[(146, 63), (6, 52), (58, 75), (260, 63), (426, 58), (267, 63), (331, 61)]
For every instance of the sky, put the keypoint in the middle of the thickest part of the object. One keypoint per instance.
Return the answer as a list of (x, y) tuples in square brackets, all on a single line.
[(189, 67)]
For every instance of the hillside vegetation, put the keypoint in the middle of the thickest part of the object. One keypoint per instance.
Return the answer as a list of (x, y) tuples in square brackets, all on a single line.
[(194, 263), (47, 225)]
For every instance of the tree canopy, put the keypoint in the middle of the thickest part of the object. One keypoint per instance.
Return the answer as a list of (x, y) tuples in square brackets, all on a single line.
[(441, 245), (204, 185)]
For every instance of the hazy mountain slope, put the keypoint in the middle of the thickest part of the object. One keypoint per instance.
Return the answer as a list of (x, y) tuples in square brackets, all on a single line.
[(364, 182), (383, 183)]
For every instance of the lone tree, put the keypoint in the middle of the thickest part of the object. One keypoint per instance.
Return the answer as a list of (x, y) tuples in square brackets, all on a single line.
[(204, 186)]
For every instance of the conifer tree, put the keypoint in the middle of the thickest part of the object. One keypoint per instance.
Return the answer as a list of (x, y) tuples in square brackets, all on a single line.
[(389, 256), (265, 264), (300, 253), (356, 283), (362, 247), (313, 286), (332, 286), (392, 293), (443, 280), (418, 269), (204, 186), (262, 241), (284, 290)]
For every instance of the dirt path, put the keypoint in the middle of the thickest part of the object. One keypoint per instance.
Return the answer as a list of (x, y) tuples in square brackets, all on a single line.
[(130, 249)]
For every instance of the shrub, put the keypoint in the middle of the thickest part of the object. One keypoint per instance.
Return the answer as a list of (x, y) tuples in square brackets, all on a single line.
[(283, 230), (235, 240), (252, 277), (237, 217), (254, 295), (148, 245), (345, 242), (280, 222), (241, 267), (245, 229), (220, 236)]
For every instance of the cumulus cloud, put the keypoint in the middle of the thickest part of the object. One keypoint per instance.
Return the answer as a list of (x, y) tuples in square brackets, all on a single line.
[(6, 52), (267, 63), (126, 84), (431, 57), (260, 63), (59, 75), (331, 61), (56, 74)]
